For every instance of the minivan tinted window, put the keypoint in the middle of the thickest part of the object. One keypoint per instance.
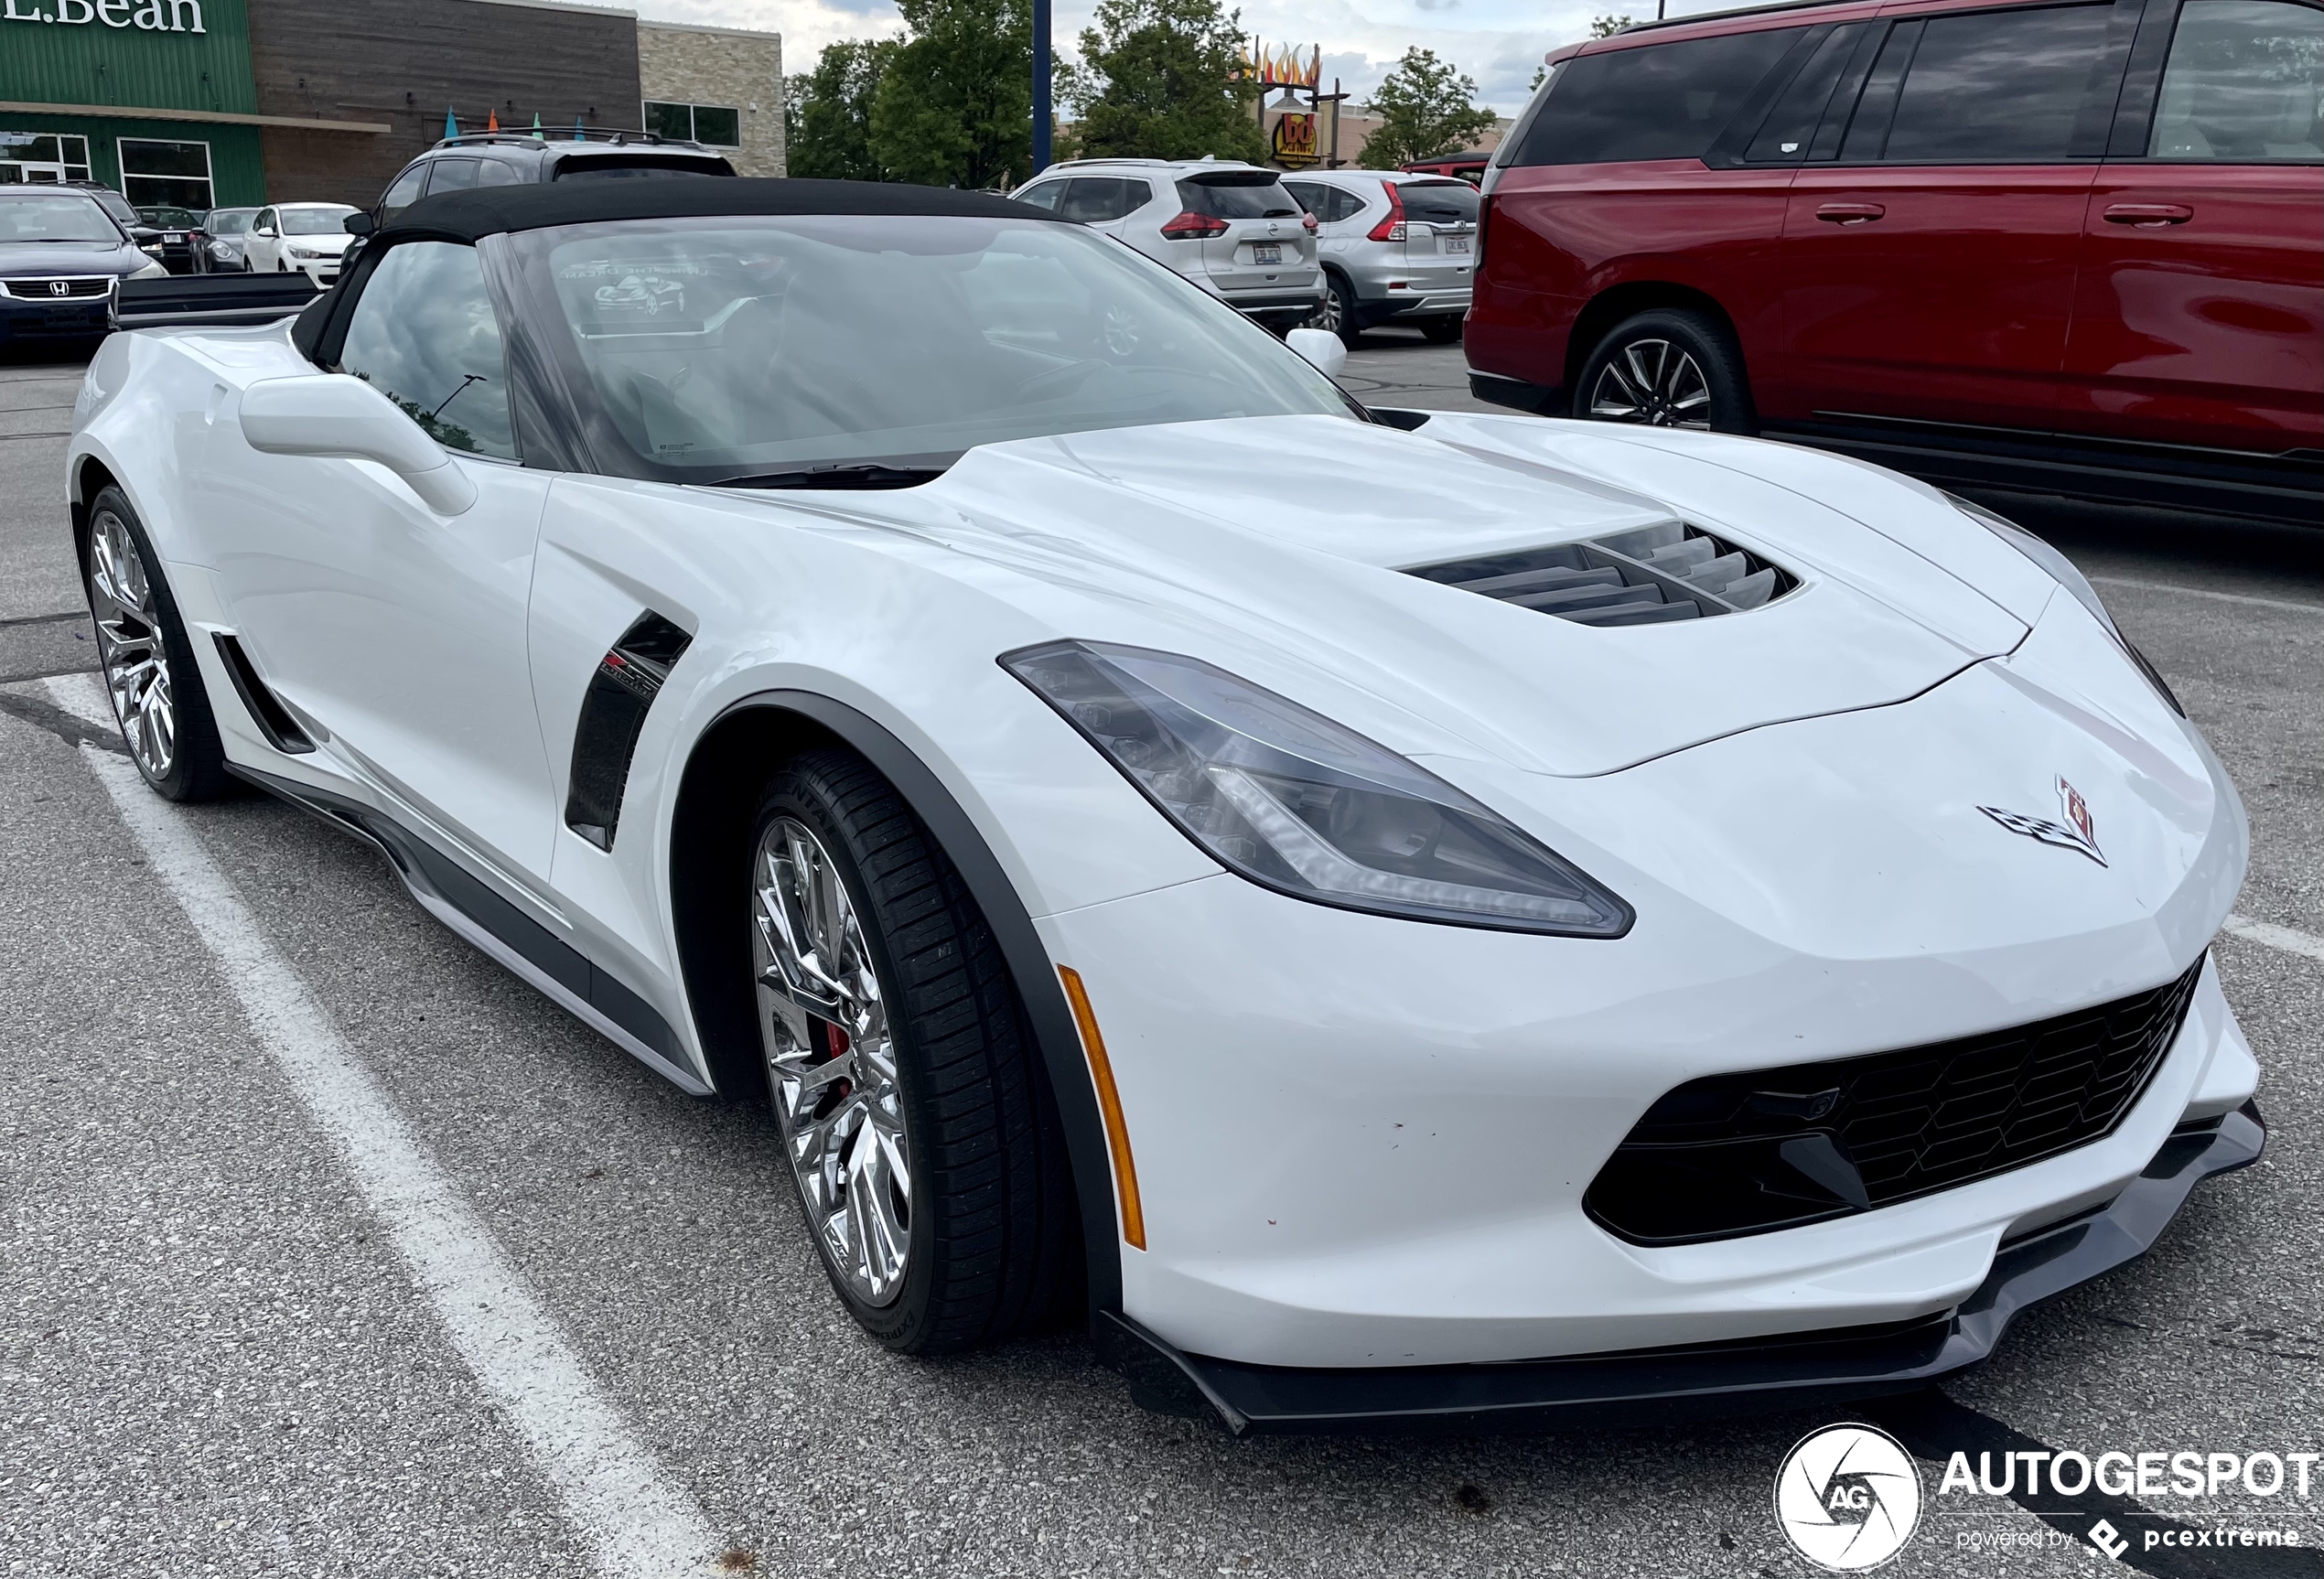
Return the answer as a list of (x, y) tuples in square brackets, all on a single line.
[(1652, 102), (2006, 86)]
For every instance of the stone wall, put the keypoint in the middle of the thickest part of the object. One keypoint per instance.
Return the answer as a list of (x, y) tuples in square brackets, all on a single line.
[(680, 63)]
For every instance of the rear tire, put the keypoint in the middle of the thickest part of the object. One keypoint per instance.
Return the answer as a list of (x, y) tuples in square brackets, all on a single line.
[(932, 1168), (1667, 368), (1441, 331), (145, 660), (1337, 313)]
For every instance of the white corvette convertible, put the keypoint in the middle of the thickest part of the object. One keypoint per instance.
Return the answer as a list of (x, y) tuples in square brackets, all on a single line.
[(1398, 918)]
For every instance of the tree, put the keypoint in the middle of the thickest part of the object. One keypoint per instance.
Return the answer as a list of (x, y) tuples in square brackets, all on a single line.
[(955, 106), (827, 112), (1161, 80), (1427, 110)]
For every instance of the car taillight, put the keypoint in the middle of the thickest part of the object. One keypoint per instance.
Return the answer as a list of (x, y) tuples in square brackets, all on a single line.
[(1391, 228), (1190, 225)]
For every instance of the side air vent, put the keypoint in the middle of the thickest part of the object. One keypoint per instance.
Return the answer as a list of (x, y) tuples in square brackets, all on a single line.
[(265, 709), (613, 711), (1650, 577)]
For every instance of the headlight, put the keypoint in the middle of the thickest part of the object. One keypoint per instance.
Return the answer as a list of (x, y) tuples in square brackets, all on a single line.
[(305, 255), (1292, 801), (150, 271), (152, 247), (220, 250), (2062, 570)]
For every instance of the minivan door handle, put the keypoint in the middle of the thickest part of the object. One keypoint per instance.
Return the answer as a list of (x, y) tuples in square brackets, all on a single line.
[(1850, 213), (2148, 214)]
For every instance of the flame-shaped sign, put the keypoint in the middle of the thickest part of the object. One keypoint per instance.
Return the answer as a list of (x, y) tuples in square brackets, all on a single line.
[(1285, 66)]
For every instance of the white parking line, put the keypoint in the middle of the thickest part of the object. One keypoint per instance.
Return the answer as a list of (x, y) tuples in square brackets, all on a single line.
[(2275, 936), (2133, 581), (637, 1523)]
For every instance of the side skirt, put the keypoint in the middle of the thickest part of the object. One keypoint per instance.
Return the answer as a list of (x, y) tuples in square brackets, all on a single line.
[(559, 972)]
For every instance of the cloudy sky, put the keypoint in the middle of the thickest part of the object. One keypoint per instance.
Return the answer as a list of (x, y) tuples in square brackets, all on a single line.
[(1498, 42)]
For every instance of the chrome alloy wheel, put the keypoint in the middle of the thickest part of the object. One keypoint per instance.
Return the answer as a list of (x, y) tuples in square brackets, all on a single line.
[(1327, 315), (829, 1060), (129, 645), (1655, 382)]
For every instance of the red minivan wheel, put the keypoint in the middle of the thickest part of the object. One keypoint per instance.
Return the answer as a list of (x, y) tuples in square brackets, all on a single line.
[(1667, 368)]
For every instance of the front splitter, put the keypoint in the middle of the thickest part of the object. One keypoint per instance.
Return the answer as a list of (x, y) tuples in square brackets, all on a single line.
[(1693, 1382)]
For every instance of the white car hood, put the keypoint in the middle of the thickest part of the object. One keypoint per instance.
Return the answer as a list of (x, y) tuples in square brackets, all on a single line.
[(1275, 547)]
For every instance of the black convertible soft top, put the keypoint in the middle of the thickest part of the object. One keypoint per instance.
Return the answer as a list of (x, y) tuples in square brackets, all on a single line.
[(490, 211)]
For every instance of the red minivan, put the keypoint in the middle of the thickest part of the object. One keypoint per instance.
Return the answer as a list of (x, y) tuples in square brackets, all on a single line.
[(2078, 248)]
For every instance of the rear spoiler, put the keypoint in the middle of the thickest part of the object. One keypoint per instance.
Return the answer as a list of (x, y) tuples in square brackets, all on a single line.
[(222, 299)]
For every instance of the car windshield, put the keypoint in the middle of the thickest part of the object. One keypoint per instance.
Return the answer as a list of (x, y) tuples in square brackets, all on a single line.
[(57, 219), (170, 218), (229, 221), (721, 349), (1439, 202), (315, 221)]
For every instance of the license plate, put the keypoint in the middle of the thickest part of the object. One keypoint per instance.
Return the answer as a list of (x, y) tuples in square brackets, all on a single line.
[(1455, 244), (173, 235), (1266, 252)]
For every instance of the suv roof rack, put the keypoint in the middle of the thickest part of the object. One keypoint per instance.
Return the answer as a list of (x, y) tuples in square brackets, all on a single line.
[(619, 136), (1731, 11)]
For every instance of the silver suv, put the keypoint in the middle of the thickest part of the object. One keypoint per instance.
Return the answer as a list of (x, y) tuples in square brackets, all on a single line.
[(1398, 248), (1229, 227)]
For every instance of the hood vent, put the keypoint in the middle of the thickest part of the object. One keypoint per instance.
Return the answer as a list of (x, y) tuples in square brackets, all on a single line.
[(1650, 577)]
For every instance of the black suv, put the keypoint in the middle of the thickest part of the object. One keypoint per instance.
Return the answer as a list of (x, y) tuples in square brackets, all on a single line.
[(519, 158)]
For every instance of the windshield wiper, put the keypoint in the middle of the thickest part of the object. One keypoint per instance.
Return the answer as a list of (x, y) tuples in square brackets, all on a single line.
[(858, 474)]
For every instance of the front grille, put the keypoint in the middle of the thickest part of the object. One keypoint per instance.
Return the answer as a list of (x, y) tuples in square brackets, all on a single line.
[(44, 290), (1650, 576), (1763, 1149)]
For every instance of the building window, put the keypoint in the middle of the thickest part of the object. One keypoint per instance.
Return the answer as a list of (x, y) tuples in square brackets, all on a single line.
[(42, 156), (720, 125), (156, 173)]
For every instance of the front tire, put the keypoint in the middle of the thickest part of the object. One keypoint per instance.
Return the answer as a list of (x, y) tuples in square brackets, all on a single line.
[(146, 661), (1667, 368), (921, 1130)]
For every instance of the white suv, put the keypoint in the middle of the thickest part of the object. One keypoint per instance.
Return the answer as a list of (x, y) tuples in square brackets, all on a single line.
[(1229, 227), (1398, 248)]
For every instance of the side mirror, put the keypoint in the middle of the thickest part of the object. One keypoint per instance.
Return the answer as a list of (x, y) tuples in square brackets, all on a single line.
[(261, 231), (1325, 350), (359, 224), (334, 415)]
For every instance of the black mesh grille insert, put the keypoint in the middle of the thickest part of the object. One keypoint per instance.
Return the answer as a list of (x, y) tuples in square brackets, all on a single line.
[(1763, 1149)]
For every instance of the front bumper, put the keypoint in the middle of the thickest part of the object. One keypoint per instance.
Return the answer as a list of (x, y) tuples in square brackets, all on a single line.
[(322, 271), (74, 317), (1643, 1386)]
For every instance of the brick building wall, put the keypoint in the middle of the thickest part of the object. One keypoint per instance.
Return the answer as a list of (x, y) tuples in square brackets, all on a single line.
[(726, 67)]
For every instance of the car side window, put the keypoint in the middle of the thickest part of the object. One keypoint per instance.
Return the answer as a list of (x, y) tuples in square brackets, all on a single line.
[(423, 334), (2240, 85), (493, 173), (1099, 199), (2025, 87), (1651, 102), (265, 222), (1312, 195), (451, 176), (1783, 137), (1044, 196), (406, 189)]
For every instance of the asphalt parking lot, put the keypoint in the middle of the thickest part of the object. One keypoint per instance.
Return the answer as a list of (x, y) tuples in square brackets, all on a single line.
[(215, 1360)]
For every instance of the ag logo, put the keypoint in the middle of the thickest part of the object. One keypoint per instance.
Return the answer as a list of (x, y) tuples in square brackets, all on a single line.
[(1847, 1498)]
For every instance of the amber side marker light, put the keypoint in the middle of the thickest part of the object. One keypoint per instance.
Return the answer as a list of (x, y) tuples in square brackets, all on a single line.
[(1109, 1103)]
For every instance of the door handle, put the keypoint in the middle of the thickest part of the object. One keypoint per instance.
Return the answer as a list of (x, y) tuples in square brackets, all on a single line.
[(1850, 213), (2148, 215)]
